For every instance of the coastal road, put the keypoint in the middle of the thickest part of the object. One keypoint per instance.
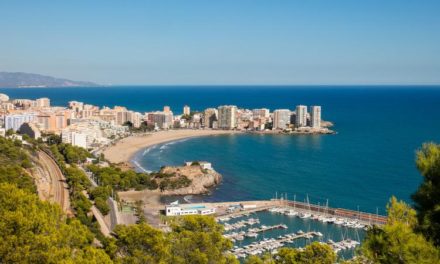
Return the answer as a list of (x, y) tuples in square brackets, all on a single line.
[(105, 230), (58, 189)]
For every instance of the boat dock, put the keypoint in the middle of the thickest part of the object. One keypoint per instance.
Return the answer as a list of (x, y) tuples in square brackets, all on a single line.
[(264, 228), (272, 244), (362, 217)]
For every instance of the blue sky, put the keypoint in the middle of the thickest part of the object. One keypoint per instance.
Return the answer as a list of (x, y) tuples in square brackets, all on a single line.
[(224, 42)]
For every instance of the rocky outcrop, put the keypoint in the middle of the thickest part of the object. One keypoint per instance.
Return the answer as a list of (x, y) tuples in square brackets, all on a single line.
[(201, 179)]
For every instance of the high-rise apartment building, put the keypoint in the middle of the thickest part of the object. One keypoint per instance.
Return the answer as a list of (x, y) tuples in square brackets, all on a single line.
[(227, 117), (301, 116), (281, 118), (315, 116), (161, 120), (210, 116)]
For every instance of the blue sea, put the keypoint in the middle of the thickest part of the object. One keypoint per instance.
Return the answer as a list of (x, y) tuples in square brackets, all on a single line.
[(369, 160)]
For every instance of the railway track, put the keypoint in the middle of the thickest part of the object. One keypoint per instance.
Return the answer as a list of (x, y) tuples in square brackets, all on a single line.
[(58, 187)]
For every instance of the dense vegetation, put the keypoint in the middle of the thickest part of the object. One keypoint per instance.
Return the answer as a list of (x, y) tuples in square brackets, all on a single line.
[(398, 241), (427, 197), (170, 181), (193, 239), (122, 180), (13, 162), (34, 231), (67, 157), (174, 183)]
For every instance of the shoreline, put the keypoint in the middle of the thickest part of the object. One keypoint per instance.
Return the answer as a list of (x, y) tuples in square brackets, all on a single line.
[(125, 149)]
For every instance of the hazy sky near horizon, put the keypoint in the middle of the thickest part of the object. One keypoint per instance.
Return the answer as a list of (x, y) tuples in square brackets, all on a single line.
[(224, 42)]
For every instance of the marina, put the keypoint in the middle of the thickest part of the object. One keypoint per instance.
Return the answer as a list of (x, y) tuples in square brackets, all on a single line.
[(272, 244), (278, 227), (264, 226)]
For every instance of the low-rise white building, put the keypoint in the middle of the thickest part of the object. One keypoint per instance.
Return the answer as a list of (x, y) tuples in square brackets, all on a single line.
[(188, 209), (203, 164)]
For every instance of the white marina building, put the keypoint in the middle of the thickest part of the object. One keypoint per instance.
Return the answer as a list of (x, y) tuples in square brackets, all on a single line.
[(175, 209)]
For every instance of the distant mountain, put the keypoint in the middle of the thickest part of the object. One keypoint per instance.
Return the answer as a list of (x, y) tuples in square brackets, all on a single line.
[(22, 80)]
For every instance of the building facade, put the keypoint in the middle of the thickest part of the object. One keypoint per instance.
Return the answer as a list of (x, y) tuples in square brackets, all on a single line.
[(281, 118), (227, 117), (263, 112), (42, 102), (315, 116), (75, 138), (301, 116), (210, 116), (14, 121)]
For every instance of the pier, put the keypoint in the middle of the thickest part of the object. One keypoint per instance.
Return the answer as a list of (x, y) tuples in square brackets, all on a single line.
[(363, 217), (262, 205), (267, 228), (272, 244)]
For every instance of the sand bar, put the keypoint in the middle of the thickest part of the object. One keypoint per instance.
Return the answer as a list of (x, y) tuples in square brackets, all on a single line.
[(126, 148)]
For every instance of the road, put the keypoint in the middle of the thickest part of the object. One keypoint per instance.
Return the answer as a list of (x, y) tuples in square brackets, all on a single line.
[(105, 230), (58, 189)]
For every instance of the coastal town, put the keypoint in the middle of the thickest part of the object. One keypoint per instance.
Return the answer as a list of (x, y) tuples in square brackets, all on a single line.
[(118, 133), (93, 127)]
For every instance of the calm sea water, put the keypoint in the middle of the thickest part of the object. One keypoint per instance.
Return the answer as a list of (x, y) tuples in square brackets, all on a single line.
[(295, 224), (370, 159)]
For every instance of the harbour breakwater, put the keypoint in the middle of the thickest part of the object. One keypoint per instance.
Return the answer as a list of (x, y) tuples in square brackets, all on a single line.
[(367, 218), (361, 217)]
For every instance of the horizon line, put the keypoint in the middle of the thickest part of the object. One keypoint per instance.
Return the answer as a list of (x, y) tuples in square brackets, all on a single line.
[(231, 85)]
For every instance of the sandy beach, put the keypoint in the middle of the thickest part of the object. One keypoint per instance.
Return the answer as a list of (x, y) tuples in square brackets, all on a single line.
[(126, 148)]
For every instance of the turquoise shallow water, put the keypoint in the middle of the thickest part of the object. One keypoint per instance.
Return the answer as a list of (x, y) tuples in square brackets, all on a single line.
[(370, 159)]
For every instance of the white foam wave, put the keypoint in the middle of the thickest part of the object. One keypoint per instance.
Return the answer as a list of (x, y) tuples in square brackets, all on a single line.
[(188, 198), (140, 167)]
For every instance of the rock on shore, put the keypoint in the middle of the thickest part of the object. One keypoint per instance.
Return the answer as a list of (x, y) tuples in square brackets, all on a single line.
[(202, 179)]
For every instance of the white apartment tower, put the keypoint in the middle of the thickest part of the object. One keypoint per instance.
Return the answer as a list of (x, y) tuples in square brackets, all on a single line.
[(281, 118), (315, 116), (227, 117), (186, 110), (301, 116)]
